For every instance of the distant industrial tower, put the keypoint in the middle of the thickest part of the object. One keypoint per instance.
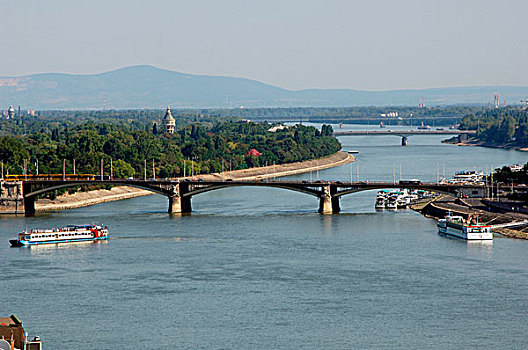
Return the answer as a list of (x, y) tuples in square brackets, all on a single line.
[(169, 122), (421, 103), (496, 99)]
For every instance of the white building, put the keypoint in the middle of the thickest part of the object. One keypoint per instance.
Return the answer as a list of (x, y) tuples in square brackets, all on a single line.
[(169, 122)]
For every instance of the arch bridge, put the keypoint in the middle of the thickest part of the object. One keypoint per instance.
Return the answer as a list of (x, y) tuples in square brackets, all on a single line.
[(179, 193)]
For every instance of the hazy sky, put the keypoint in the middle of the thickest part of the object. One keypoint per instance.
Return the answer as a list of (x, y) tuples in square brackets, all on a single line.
[(296, 44)]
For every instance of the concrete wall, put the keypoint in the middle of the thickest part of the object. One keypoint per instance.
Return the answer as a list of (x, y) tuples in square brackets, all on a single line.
[(11, 197)]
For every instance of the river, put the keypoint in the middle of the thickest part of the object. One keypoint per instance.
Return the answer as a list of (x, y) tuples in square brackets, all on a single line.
[(256, 268)]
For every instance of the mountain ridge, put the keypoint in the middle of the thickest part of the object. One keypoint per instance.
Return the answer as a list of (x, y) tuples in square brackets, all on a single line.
[(145, 86)]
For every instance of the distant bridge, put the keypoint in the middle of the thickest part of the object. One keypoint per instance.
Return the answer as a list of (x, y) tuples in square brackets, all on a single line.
[(180, 193), (462, 134)]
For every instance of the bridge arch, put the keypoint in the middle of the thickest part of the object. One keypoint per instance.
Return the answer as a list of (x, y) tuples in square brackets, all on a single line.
[(417, 187), (205, 189), (35, 193)]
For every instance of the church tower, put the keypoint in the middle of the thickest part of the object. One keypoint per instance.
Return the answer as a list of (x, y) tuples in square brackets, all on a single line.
[(169, 122)]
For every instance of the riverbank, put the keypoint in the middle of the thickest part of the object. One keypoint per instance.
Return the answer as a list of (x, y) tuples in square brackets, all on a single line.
[(84, 199), (440, 206), (456, 142)]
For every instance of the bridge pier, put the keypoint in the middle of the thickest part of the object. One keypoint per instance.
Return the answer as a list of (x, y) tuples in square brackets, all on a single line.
[(29, 205), (329, 204), (179, 204), (404, 141)]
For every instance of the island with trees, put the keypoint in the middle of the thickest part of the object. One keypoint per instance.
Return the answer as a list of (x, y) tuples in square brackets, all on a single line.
[(197, 147), (498, 127)]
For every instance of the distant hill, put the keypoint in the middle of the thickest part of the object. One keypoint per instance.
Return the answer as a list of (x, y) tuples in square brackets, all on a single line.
[(150, 87)]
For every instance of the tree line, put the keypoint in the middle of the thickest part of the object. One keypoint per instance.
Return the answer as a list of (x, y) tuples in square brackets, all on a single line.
[(500, 126), (198, 148)]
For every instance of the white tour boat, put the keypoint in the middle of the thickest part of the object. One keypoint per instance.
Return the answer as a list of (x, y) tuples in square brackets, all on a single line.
[(469, 229), (68, 234)]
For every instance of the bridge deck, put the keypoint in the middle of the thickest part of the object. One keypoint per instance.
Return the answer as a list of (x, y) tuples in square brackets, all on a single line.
[(404, 132), (228, 183)]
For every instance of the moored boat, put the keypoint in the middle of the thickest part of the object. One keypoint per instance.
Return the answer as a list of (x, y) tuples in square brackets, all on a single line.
[(67, 234), (469, 229), (381, 198)]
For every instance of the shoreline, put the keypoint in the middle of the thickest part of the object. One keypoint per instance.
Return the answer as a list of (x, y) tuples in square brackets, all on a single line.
[(84, 199), (473, 143)]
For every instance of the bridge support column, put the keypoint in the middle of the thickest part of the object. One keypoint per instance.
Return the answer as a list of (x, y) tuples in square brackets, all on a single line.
[(404, 141), (327, 203), (29, 205), (179, 204), (335, 205)]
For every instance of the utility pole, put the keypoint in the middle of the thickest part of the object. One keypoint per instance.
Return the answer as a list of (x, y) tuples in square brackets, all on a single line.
[(2, 170), (111, 170), (153, 170), (491, 184), (184, 168), (37, 167), (25, 169), (145, 169), (73, 166), (222, 169), (63, 169), (102, 169)]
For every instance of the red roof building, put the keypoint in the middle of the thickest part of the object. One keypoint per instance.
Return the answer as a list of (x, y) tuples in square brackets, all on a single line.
[(253, 152)]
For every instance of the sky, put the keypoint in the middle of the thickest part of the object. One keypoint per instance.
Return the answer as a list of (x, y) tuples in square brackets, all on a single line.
[(294, 44)]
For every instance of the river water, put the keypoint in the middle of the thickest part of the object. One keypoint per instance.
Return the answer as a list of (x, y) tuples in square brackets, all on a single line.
[(256, 268)]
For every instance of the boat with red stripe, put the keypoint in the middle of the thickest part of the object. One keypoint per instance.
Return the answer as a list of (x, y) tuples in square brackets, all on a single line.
[(67, 234)]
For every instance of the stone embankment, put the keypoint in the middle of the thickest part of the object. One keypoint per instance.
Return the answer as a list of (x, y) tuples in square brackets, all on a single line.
[(83, 199)]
